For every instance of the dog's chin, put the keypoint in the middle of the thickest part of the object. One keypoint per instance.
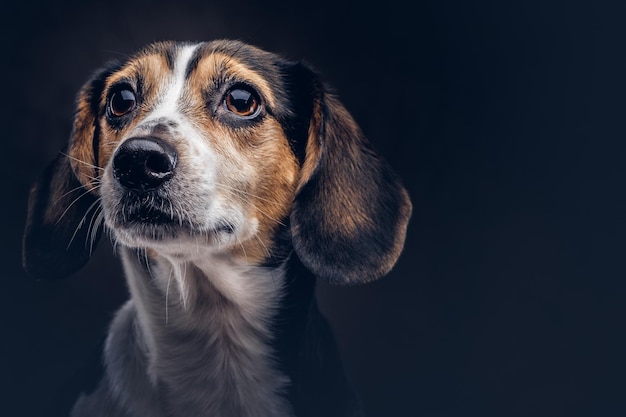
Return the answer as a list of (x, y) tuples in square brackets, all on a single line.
[(166, 233)]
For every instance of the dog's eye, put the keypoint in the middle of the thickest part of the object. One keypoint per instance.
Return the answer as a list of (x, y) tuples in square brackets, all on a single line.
[(122, 101), (242, 102)]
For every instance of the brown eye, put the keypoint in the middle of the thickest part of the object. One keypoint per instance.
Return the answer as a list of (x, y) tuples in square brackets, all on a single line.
[(122, 102), (241, 102)]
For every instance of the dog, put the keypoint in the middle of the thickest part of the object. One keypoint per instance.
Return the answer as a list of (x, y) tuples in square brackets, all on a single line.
[(229, 179)]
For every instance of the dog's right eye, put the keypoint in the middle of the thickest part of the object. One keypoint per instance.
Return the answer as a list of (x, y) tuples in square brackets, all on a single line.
[(122, 102), (242, 101)]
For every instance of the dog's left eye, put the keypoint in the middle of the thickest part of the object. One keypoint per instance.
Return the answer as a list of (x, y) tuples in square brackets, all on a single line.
[(242, 101), (122, 101)]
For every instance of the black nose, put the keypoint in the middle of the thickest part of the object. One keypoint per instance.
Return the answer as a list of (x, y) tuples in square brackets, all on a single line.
[(144, 163)]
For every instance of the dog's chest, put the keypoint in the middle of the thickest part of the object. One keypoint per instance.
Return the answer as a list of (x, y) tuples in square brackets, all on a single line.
[(206, 335)]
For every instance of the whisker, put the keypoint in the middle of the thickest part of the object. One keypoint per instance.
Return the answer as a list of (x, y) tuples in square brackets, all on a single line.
[(69, 192), (171, 209), (111, 144), (92, 231), (75, 200), (113, 240), (245, 255), (82, 162), (81, 222), (236, 192), (145, 257), (267, 251), (167, 297), (95, 179), (271, 218), (183, 278)]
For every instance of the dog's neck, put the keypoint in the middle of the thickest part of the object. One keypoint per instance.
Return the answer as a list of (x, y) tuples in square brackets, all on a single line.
[(207, 330)]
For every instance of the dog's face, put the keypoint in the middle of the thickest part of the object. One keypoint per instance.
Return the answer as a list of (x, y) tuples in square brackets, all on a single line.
[(190, 149), (193, 153)]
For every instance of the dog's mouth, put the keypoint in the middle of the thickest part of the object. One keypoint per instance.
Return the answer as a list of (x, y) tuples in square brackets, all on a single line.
[(147, 209), (151, 217)]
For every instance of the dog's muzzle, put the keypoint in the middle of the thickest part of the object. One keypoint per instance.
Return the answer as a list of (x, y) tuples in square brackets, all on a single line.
[(142, 168), (144, 163)]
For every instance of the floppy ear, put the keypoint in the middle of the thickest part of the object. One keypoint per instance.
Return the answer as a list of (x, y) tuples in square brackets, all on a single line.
[(61, 230), (63, 224), (351, 212)]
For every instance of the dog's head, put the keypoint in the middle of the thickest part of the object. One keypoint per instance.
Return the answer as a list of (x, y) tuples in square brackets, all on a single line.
[(190, 149)]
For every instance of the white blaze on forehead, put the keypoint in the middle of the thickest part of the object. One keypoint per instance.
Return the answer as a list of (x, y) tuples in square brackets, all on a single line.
[(167, 105), (169, 101)]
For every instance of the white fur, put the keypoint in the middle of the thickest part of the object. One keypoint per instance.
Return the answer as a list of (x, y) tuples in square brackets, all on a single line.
[(208, 356), (168, 105)]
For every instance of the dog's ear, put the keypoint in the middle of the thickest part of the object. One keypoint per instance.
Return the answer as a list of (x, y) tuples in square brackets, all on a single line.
[(63, 223), (351, 212), (61, 229)]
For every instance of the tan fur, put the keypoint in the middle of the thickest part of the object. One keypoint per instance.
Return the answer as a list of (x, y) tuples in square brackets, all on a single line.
[(81, 151), (313, 146)]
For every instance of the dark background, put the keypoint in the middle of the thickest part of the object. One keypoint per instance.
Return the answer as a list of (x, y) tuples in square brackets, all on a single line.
[(505, 120)]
